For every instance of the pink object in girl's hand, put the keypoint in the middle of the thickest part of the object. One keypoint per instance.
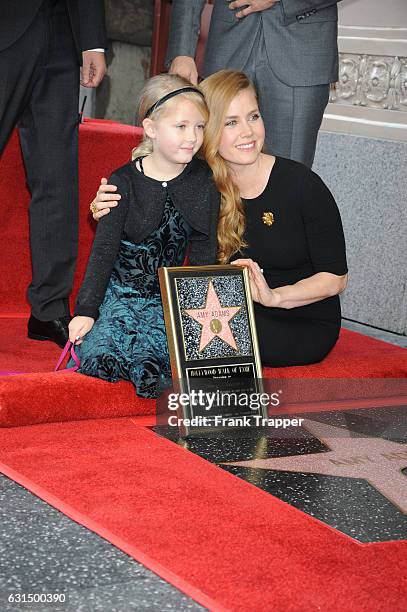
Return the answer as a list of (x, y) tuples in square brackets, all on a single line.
[(69, 347)]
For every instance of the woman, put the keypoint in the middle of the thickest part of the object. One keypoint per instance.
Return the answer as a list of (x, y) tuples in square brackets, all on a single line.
[(278, 218)]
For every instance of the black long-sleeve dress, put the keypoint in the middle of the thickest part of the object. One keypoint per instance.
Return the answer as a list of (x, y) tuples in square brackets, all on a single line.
[(302, 237)]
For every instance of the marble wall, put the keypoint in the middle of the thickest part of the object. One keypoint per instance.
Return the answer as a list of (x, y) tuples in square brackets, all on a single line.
[(362, 156), (369, 181)]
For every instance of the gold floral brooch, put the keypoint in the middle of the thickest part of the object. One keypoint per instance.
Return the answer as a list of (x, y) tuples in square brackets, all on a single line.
[(268, 218)]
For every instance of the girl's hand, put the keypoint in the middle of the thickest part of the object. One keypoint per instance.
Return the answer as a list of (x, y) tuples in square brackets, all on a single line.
[(260, 290), (79, 327), (105, 200)]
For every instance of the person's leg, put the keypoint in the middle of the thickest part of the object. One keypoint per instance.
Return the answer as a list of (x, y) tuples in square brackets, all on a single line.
[(294, 341), (49, 141), (18, 72), (292, 115)]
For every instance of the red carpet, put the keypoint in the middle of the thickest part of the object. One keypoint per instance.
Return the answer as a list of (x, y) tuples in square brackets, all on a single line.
[(18, 353), (38, 398), (42, 396), (222, 541)]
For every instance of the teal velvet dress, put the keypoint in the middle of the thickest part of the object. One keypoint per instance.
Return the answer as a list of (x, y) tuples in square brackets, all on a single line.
[(128, 340)]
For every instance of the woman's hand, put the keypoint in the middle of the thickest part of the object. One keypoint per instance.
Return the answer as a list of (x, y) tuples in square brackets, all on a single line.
[(105, 200), (260, 290), (79, 327), (317, 287)]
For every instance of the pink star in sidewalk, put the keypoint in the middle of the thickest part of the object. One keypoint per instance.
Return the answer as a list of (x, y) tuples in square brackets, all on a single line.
[(377, 460), (214, 319)]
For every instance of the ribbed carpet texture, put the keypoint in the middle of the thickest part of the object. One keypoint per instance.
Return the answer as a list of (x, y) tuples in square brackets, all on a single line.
[(224, 542)]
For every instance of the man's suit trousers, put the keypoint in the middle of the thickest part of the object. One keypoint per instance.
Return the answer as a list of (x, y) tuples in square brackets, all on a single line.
[(292, 115), (39, 89)]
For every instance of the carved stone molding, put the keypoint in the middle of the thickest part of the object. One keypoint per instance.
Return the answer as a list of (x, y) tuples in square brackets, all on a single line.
[(371, 80)]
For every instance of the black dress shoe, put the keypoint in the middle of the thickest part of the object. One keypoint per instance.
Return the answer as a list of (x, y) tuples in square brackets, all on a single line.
[(56, 330)]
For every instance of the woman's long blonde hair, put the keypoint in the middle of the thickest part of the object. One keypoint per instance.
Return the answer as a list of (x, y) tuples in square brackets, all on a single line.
[(153, 90), (219, 90)]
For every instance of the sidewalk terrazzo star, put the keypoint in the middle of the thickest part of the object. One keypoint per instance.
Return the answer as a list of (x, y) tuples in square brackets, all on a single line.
[(378, 461)]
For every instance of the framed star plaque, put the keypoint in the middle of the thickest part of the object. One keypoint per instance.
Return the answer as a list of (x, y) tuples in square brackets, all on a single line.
[(212, 340)]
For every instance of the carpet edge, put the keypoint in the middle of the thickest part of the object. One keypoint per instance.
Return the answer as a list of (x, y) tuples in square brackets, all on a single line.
[(111, 538), (338, 533)]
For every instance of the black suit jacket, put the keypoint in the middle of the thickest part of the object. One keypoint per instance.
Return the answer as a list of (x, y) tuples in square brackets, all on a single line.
[(87, 18)]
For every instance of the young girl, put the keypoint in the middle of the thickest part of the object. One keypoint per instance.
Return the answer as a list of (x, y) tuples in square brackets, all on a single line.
[(168, 202)]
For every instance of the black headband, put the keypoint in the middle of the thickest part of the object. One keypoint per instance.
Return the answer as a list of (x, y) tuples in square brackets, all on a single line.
[(170, 95)]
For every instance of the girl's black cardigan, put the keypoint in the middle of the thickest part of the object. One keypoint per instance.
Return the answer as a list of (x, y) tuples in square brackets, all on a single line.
[(139, 213)]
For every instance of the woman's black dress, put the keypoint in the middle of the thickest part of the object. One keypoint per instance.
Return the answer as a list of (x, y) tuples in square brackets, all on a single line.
[(305, 237)]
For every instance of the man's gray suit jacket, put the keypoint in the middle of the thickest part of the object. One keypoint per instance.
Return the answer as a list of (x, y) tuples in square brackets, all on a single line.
[(300, 38)]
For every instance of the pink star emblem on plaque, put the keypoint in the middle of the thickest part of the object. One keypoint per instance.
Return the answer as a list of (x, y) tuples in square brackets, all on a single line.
[(214, 319)]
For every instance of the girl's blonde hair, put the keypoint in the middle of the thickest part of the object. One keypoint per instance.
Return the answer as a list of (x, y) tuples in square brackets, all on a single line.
[(219, 90), (153, 90)]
